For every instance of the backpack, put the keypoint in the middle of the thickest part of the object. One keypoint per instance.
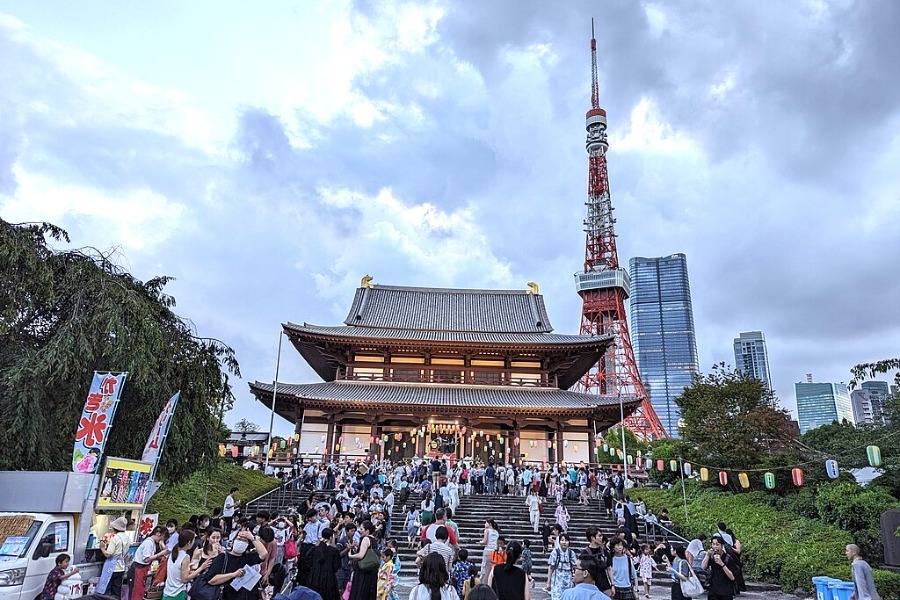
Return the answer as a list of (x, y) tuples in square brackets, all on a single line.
[(570, 555)]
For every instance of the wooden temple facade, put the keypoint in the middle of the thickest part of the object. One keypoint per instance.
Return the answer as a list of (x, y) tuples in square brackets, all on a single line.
[(450, 372)]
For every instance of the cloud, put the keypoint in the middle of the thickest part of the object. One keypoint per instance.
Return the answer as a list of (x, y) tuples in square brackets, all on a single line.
[(442, 144)]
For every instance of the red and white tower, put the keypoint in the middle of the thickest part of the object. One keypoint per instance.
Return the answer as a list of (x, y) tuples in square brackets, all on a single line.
[(604, 285)]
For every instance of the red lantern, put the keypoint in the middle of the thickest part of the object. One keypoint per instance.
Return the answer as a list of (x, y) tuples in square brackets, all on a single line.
[(723, 478), (639, 463), (797, 476), (396, 448), (660, 465), (234, 451), (549, 444), (516, 441)]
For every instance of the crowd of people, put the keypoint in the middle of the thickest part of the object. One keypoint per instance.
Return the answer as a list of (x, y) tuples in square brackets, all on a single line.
[(342, 547)]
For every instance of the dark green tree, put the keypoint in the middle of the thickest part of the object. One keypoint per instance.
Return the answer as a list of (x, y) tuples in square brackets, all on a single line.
[(731, 420), (245, 426), (67, 313)]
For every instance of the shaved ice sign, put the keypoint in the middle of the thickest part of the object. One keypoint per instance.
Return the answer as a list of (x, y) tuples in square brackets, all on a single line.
[(96, 421)]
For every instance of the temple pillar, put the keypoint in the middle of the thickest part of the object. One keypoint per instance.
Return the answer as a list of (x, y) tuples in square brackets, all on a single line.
[(516, 435), (338, 437), (592, 446), (374, 436), (328, 450), (559, 443)]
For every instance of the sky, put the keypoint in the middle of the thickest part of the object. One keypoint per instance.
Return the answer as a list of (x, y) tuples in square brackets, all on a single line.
[(268, 155)]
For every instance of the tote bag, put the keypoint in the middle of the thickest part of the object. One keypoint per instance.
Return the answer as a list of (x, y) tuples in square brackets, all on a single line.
[(692, 587), (203, 590)]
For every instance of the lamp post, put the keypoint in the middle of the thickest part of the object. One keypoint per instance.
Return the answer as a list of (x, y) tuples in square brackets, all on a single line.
[(274, 395), (683, 492)]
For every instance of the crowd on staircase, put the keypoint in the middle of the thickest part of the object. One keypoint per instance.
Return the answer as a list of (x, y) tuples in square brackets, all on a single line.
[(347, 531)]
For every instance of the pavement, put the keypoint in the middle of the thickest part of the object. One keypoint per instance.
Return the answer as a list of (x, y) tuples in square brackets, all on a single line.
[(406, 584)]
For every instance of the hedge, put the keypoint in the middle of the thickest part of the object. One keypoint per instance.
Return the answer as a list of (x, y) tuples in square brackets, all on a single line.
[(779, 547), (184, 499)]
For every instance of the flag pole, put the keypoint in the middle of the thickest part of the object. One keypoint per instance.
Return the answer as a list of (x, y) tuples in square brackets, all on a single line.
[(274, 395)]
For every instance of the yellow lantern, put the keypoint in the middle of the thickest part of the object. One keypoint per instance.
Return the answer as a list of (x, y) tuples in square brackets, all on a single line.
[(744, 480), (221, 449), (296, 437), (704, 474)]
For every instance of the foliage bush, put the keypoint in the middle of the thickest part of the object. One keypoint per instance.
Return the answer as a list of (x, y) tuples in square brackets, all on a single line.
[(857, 510), (780, 547), (181, 500)]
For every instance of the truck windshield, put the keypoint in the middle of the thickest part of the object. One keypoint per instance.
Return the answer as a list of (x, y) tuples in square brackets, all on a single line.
[(16, 534)]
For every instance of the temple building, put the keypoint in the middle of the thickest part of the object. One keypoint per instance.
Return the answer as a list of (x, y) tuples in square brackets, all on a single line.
[(450, 372)]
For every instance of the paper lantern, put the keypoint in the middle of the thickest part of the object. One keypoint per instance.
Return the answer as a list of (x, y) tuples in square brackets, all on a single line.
[(221, 449), (234, 451), (565, 443), (673, 465), (271, 453), (481, 433), (323, 439), (477, 444), (687, 469), (831, 467), (612, 451), (660, 465), (723, 478), (744, 480), (531, 443), (337, 446), (282, 444), (639, 462), (404, 444), (343, 448), (797, 476), (704, 474), (606, 447), (630, 459), (341, 440), (296, 437), (575, 448), (769, 479), (549, 444), (874, 454), (640, 453), (516, 441), (317, 450)]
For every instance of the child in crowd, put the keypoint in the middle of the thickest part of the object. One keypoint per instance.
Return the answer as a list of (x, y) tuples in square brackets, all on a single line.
[(498, 556), (471, 582), (646, 564), (387, 579), (57, 576), (527, 560), (412, 526), (461, 570)]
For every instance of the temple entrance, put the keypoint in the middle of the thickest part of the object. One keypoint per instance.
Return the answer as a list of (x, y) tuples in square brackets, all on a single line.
[(442, 444)]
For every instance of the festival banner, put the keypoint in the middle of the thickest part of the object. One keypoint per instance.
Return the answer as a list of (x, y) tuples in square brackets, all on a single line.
[(159, 433), (96, 421), (124, 484)]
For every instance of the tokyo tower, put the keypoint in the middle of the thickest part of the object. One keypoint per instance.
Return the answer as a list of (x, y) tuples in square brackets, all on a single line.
[(604, 285)]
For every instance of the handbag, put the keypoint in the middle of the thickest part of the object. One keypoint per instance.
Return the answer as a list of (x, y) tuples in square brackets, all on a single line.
[(346, 594), (370, 561), (692, 587), (290, 549), (203, 590)]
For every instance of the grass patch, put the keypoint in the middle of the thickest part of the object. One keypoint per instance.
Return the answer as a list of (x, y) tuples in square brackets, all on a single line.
[(780, 547), (184, 499)]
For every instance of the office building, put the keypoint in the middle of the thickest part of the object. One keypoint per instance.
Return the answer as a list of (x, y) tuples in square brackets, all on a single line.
[(822, 404), (751, 356), (662, 331)]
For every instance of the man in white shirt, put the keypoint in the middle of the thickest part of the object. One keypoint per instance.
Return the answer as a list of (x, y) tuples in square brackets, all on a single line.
[(388, 509), (144, 556), (229, 508), (694, 551)]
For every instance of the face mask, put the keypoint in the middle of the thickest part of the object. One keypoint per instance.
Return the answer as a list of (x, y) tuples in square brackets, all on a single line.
[(171, 530), (240, 546)]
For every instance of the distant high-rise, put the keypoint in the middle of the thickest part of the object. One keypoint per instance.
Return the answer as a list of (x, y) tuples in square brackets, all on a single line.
[(879, 393), (662, 331), (822, 404), (862, 408), (751, 356)]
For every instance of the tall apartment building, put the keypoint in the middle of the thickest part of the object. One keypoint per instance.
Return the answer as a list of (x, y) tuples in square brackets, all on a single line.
[(751, 356), (862, 408), (662, 331), (879, 392), (822, 404)]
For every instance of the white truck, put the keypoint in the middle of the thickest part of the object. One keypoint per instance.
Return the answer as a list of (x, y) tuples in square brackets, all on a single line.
[(42, 515)]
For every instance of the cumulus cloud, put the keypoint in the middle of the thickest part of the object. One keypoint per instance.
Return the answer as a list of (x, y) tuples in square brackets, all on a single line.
[(441, 143)]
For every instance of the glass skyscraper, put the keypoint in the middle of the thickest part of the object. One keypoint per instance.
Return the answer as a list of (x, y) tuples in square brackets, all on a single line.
[(751, 356), (879, 393), (662, 331), (822, 404)]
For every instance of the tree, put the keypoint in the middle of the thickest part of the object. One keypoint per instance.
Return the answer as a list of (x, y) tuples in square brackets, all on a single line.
[(66, 314), (870, 370), (245, 426), (731, 420)]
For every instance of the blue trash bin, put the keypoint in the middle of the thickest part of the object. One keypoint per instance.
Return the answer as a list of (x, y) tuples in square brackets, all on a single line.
[(822, 591), (841, 590)]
